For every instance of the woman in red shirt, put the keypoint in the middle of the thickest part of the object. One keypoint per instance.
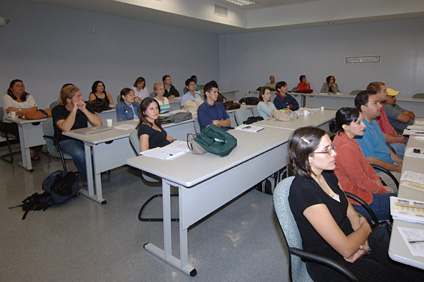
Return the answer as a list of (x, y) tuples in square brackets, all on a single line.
[(355, 174)]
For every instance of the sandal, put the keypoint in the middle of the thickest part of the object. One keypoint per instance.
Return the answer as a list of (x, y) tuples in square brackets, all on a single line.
[(35, 157)]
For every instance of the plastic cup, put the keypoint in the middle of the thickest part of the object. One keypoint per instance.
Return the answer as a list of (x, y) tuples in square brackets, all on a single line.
[(109, 122)]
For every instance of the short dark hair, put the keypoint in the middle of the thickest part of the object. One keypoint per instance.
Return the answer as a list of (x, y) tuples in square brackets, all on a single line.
[(143, 107), (375, 85), (164, 77), (208, 86), (280, 84), (344, 116), (329, 78), (262, 92), (94, 86), (139, 80), (187, 82), (362, 98), (301, 77), (302, 143), (124, 92)]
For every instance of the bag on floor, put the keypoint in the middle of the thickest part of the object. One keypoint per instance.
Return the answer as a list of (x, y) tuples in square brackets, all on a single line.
[(58, 187)]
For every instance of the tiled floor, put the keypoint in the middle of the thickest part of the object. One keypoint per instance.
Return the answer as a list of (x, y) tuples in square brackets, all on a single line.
[(84, 241)]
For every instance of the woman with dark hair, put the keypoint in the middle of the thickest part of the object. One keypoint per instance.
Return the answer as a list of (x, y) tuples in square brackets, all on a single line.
[(150, 131), (353, 170), (330, 86), (18, 101), (327, 222), (140, 89), (265, 107), (303, 84), (98, 92), (127, 109)]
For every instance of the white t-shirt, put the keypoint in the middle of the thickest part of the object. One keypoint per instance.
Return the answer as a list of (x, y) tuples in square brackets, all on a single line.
[(143, 93), (8, 101)]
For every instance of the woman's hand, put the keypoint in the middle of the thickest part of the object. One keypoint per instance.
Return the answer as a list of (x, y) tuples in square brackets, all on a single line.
[(388, 189), (363, 250)]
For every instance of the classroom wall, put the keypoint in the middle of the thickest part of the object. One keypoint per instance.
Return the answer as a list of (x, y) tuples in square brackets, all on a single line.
[(248, 59), (47, 46)]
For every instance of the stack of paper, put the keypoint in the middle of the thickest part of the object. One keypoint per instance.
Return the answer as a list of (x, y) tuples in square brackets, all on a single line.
[(407, 210), (413, 132), (414, 239), (249, 128), (169, 152)]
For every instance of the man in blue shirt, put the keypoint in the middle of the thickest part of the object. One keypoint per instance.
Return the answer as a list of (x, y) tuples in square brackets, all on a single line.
[(373, 143), (283, 100), (211, 112)]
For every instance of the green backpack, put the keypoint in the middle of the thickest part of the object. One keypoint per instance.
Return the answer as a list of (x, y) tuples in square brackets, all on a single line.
[(216, 141)]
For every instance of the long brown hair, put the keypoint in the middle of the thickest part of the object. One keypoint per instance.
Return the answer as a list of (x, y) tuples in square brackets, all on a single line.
[(142, 115)]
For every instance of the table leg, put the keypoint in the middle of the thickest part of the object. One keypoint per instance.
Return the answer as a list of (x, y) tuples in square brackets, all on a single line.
[(25, 151)]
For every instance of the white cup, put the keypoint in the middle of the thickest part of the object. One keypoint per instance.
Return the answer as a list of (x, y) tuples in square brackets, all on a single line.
[(109, 122), (12, 114), (322, 108), (305, 112)]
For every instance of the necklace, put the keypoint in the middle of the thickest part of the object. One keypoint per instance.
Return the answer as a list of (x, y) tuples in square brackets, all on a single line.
[(331, 195)]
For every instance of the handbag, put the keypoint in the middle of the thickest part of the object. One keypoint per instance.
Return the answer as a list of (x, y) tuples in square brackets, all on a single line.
[(99, 105), (216, 141), (231, 105), (283, 115), (38, 114), (194, 147)]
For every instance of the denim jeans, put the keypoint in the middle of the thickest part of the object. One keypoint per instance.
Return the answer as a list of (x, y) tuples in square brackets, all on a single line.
[(75, 148), (380, 205), (399, 149)]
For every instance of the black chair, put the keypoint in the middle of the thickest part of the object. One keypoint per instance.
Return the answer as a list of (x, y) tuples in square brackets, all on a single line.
[(53, 147), (149, 178), (298, 271), (387, 172), (10, 139)]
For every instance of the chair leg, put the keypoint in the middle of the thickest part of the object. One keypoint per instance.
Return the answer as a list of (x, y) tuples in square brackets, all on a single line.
[(8, 157), (140, 213)]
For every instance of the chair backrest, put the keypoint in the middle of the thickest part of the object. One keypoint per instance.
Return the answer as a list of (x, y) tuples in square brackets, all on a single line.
[(53, 104), (418, 95), (118, 99), (152, 95), (185, 90), (48, 130), (289, 227), (135, 142), (242, 115), (255, 111), (355, 92)]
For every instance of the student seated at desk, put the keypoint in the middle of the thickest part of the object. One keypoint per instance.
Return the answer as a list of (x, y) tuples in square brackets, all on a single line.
[(398, 117), (327, 222), (73, 113), (98, 92), (211, 112), (169, 90), (271, 83), (330, 86), (163, 102), (265, 107), (18, 101), (355, 174), (303, 84), (150, 131), (283, 100), (191, 100), (140, 89), (127, 109)]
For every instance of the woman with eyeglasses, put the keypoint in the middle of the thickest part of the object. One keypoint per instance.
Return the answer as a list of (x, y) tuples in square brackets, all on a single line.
[(327, 222), (353, 170)]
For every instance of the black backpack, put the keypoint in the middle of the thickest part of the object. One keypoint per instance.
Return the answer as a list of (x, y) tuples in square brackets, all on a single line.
[(58, 187)]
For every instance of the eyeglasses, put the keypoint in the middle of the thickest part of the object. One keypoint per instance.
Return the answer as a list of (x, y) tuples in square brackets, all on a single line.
[(329, 150)]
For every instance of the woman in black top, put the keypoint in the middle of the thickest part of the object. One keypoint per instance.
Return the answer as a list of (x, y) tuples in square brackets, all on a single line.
[(98, 92), (327, 222), (150, 132)]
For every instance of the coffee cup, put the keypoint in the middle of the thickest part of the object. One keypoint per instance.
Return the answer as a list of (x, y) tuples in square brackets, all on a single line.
[(109, 122), (322, 108), (12, 114)]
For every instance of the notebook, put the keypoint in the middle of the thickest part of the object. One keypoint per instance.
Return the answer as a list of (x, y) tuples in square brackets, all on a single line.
[(92, 130)]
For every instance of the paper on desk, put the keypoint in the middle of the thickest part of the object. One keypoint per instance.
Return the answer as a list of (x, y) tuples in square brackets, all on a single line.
[(413, 185), (179, 145), (407, 210), (419, 122), (413, 132), (412, 176), (414, 239), (418, 138), (163, 153), (249, 128), (415, 127), (125, 126)]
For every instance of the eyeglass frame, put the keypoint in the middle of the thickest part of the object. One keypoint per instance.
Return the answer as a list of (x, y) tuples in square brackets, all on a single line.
[(329, 151)]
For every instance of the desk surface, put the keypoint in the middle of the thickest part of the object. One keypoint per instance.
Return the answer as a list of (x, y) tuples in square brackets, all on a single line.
[(316, 118), (398, 250), (205, 166), (20, 121)]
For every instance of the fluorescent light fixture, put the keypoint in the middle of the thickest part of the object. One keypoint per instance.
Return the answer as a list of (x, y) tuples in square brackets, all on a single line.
[(362, 59), (241, 2)]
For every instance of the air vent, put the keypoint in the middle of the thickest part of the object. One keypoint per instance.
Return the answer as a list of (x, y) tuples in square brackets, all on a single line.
[(221, 11)]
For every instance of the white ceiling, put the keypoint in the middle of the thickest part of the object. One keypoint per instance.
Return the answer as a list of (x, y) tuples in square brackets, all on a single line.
[(264, 15)]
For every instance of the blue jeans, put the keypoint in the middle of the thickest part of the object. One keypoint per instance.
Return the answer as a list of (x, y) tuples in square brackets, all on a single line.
[(75, 148), (399, 149), (380, 206)]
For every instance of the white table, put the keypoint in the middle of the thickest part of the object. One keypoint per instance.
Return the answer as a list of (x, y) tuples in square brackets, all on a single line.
[(316, 118), (108, 114), (398, 250), (110, 149), (211, 182), (30, 135)]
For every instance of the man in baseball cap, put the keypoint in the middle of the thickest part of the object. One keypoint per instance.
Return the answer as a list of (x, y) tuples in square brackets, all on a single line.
[(398, 117)]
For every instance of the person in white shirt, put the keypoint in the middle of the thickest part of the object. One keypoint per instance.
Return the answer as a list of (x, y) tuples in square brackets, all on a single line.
[(140, 89)]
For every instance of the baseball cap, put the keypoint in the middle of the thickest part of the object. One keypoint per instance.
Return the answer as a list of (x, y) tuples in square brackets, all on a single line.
[(392, 92)]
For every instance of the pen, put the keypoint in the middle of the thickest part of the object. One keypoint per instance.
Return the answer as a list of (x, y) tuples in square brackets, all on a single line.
[(416, 241), (167, 154)]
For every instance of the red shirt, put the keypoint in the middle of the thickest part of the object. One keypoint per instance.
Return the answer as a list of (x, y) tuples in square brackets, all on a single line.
[(384, 124), (355, 174)]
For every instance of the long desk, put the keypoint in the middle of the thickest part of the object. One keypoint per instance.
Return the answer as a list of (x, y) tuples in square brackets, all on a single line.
[(110, 149), (30, 135), (398, 250), (211, 182)]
